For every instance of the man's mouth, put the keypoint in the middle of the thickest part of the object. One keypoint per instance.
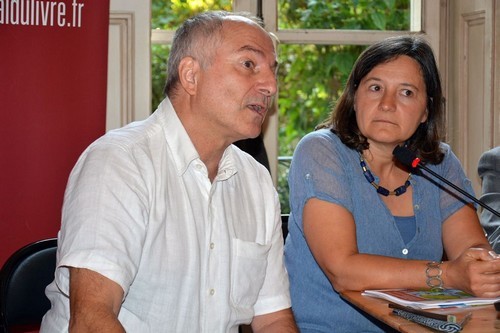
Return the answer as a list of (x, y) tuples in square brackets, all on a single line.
[(257, 108)]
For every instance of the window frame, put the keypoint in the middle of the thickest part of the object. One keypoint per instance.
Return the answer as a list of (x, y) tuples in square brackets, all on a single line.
[(428, 18)]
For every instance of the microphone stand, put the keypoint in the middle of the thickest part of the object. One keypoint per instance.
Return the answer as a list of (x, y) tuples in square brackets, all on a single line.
[(479, 202)]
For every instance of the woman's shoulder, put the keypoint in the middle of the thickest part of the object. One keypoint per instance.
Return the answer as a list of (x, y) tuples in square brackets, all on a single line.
[(449, 155), (445, 147), (322, 142), (321, 136)]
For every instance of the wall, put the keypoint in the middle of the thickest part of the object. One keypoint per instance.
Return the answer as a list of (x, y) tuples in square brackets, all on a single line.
[(53, 66), (473, 81), (129, 64)]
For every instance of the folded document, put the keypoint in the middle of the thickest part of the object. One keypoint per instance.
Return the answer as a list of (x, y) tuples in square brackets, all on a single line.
[(430, 299)]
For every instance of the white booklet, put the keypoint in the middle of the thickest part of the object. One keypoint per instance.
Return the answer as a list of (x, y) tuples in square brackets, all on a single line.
[(430, 299)]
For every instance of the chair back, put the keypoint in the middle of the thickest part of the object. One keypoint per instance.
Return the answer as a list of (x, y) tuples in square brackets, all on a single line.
[(23, 279), (284, 225)]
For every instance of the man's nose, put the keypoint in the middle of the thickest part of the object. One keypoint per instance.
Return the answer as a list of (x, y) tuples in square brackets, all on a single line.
[(268, 83)]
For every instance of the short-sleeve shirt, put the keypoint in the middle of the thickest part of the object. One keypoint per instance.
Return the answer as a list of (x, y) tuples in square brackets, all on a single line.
[(191, 255), (323, 167)]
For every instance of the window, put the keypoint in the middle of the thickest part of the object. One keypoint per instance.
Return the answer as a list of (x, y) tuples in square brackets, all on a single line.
[(319, 42)]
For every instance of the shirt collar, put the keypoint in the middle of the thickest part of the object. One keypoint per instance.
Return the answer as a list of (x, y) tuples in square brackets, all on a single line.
[(178, 141), (181, 146)]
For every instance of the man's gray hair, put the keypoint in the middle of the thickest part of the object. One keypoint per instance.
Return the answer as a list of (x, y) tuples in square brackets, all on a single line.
[(198, 37)]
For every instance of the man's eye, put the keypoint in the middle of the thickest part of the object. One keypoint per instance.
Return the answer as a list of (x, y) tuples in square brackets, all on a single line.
[(248, 64)]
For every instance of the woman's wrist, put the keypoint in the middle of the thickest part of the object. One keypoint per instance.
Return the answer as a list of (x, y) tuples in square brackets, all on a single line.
[(434, 275)]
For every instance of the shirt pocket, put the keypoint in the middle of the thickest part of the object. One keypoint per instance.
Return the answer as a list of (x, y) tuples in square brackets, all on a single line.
[(248, 271)]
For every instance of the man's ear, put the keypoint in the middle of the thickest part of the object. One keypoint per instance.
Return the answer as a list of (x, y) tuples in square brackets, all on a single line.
[(188, 74)]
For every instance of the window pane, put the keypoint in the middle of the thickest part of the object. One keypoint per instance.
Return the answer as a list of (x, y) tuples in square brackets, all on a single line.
[(168, 15), (311, 78), (344, 14), (159, 56)]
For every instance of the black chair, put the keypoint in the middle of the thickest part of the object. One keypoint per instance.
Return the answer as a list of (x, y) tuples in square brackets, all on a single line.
[(284, 224), (23, 279)]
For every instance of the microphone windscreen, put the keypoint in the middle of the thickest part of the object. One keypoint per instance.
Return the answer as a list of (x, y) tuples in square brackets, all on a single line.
[(404, 155)]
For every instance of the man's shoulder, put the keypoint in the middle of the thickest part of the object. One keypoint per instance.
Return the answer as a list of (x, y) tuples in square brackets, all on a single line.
[(490, 160), (134, 133)]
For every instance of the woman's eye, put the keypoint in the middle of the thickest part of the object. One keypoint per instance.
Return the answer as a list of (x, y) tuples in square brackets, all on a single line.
[(407, 92), (374, 88)]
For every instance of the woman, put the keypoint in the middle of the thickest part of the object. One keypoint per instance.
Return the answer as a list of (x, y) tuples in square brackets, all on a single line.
[(361, 220)]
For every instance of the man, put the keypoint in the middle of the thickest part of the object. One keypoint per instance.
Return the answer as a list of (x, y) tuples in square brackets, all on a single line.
[(489, 171), (167, 226)]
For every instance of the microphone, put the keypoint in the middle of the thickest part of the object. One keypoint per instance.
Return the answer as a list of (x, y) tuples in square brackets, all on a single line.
[(410, 159)]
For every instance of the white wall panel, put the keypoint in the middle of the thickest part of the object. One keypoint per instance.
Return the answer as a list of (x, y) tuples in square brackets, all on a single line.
[(471, 90), (129, 63)]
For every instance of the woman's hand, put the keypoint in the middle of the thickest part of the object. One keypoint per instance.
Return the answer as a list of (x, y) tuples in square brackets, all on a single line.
[(476, 271)]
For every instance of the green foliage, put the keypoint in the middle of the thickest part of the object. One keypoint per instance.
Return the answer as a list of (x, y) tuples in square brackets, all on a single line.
[(170, 14), (344, 14), (159, 56)]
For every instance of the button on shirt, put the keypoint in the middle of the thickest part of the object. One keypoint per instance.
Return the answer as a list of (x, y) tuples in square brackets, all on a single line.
[(190, 255)]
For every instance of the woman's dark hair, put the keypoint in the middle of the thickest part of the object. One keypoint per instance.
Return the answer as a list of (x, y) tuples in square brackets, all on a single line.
[(426, 139)]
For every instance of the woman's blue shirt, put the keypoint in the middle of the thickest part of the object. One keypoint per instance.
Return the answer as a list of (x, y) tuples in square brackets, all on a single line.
[(323, 167)]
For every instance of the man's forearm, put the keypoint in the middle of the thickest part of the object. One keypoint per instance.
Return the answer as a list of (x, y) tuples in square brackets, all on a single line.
[(97, 321), (280, 321), (95, 302)]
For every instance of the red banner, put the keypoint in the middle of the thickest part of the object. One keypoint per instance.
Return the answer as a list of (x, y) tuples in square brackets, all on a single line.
[(53, 65)]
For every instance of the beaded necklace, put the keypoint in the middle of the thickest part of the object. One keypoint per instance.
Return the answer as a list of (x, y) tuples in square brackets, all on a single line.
[(380, 189)]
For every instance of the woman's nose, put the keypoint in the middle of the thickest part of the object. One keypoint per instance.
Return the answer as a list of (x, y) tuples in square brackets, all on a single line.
[(387, 102)]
